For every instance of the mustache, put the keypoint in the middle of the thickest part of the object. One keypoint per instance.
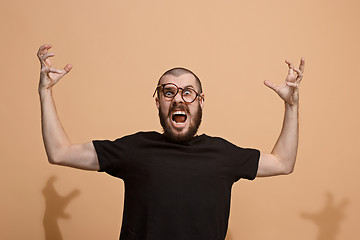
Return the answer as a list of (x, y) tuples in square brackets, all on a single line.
[(178, 107)]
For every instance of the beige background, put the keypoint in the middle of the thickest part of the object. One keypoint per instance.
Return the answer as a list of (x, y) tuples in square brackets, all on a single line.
[(120, 48)]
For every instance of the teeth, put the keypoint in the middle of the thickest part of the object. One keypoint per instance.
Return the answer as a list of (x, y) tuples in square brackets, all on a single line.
[(179, 113)]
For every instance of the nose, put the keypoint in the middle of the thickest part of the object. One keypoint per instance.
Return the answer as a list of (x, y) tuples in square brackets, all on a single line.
[(177, 98)]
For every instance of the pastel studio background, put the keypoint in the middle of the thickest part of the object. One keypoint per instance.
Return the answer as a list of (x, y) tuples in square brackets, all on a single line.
[(120, 48)]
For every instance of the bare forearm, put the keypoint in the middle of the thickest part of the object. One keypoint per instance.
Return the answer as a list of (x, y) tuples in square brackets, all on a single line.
[(285, 149), (54, 136)]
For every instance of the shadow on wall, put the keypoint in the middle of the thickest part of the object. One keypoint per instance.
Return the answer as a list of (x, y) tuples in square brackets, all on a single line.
[(329, 218), (54, 209)]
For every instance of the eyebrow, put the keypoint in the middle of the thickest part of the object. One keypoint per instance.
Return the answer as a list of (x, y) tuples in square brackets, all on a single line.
[(191, 86), (187, 86)]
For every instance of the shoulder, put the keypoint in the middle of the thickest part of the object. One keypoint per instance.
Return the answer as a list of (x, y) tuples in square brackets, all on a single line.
[(224, 144), (139, 135), (216, 140), (126, 143), (130, 139)]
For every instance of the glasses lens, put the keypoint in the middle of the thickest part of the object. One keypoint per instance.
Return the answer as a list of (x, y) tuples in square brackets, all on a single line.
[(188, 95), (169, 90)]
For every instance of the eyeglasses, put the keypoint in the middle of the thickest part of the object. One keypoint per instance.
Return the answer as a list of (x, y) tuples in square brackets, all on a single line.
[(170, 90)]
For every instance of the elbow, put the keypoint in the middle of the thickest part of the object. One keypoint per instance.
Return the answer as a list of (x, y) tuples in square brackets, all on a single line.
[(57, 156), (288, 170), (54, 159), (287, 165)]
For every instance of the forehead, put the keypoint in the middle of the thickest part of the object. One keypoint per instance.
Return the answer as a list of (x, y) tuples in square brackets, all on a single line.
[(184, 80)]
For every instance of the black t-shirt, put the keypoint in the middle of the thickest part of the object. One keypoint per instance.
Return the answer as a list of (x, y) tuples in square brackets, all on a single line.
[(177, 191)]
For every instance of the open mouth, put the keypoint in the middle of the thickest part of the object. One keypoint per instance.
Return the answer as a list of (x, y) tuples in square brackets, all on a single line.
[(179, 117)]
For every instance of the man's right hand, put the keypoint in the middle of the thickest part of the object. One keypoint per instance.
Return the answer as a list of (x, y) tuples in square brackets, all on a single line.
[(58, 148), (49, 76)]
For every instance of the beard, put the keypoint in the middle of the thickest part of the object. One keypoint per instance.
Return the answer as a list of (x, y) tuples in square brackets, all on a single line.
[(182, 136)]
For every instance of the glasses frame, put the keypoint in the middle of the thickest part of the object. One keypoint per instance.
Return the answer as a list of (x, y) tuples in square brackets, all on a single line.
[(177, 91)]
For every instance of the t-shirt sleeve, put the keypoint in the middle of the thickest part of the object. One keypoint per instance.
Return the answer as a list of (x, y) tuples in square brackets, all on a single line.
[(245, 162), (112, 156)]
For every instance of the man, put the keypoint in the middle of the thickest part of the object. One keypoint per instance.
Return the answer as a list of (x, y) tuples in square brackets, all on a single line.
[(177, 184)]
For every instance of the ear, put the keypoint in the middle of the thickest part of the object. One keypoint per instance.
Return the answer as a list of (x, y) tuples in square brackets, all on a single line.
[(157, 102), (202, 100)]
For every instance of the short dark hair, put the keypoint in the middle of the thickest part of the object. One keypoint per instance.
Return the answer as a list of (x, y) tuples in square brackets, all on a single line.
[(178, 71)]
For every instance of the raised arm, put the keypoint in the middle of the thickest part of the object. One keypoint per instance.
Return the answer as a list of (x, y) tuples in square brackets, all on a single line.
[(58, 148), (282, 158)]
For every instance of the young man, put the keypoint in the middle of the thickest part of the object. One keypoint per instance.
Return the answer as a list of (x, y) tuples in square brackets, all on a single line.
[(177, 184)]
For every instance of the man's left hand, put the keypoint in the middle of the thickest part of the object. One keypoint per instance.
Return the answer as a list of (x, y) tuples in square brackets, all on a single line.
[(289, 90)]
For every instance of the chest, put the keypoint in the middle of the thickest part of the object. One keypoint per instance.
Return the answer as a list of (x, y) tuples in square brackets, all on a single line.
[(180, 164)]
